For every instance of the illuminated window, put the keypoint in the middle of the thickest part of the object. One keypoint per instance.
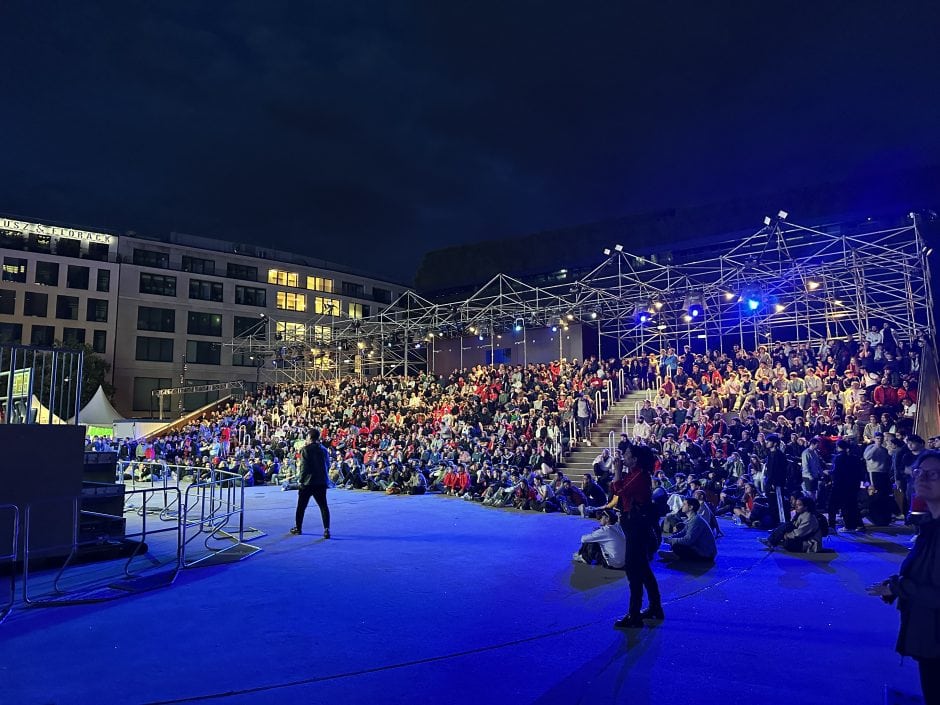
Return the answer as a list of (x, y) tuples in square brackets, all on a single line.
[(322, 334), (282, 278), (327, 307), (291, 332), (320, 284), (355, 310), (289, 301)]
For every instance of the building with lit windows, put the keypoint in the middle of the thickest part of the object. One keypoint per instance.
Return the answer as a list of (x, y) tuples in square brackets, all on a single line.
[(166, 310)]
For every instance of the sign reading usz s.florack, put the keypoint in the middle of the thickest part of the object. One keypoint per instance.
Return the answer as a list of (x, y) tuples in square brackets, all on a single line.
[(20, 226)]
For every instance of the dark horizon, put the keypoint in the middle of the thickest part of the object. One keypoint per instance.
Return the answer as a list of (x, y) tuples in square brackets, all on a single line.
[(370, 135)]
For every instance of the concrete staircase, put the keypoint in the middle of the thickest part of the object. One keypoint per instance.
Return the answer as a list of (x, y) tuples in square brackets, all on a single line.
[(581, 459)]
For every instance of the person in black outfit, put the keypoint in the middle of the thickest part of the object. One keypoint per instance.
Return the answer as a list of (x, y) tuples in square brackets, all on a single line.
[(917, 586), (847, 473), (776, 474), (313, 482), (632, 494)]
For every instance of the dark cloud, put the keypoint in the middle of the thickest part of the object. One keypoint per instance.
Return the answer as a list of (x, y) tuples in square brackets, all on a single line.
[(406, 127)]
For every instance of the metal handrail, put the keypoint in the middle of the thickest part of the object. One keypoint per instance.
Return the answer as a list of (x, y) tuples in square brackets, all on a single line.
[(76, 544), (215, 502), (6, 608)]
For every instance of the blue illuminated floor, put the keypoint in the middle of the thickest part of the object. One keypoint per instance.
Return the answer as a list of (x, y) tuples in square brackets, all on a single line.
[(436, 600)]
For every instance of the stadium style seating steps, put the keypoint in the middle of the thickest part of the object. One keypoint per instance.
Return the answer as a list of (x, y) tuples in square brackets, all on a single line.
[(581, 459)]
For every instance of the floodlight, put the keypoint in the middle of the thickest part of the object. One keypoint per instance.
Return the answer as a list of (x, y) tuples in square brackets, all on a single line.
[(593, 314), (729, 296), (767, 220), (812, 285), (782, 215), (607, 251), (753, 304), (687, 318), (619, 248), (779, 308)]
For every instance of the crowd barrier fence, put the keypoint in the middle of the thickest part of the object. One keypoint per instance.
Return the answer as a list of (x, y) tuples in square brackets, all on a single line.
[(13, 512)]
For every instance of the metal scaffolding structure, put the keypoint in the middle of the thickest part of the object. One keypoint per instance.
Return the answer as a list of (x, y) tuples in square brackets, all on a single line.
[(783, 282)]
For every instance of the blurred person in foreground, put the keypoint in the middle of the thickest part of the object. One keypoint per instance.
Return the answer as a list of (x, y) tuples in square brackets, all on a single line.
[(916, 587)]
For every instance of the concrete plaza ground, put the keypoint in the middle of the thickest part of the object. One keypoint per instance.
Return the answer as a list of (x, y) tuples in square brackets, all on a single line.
[(432, 599)]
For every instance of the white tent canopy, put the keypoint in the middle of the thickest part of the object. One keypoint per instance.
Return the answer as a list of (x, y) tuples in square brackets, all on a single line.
[(98, 411), (41, 414)]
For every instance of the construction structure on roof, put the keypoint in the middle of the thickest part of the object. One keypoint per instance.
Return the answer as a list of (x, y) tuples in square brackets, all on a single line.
[(784, 282)]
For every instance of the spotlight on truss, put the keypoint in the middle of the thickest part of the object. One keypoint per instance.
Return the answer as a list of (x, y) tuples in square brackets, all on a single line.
[(619, 248), (607, 251), (767, 220), (782, 215)]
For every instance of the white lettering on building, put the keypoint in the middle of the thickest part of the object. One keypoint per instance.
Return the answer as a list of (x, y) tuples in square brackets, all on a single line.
[(25, 228)]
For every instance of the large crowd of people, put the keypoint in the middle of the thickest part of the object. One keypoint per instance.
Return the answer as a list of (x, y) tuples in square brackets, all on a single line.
[(740, 433), (788, 438)]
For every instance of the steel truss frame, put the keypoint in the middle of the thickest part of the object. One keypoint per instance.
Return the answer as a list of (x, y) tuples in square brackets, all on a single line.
[(808, 283)]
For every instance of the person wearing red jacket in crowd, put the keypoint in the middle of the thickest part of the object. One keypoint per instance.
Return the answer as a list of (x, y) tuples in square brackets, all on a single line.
[(461, 482), (449, 480), (633, 496), (886, 397), (689, 430), (225, 441)]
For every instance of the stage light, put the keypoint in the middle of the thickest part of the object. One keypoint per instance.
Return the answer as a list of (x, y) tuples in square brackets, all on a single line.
[(554, 329), (473, 329), (661, 327), (695, 312), (481, 336), (517, 325), (783, 215), (593, 314), (929, 251), (562, 271), (619, 248), (729, 296), (767, 220), (687, 318), (752, 304), (417, 346), (779, 308), (570, 316), (657, 305), (607, 251), (644, 317), (812, 285)]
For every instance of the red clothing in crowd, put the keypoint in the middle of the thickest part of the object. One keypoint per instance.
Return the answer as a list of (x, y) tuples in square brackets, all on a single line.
[(886, 395), (636, 487)]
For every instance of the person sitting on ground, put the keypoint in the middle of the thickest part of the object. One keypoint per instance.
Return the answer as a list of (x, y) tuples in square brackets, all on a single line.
[(571, 500), (604, 467), (596, 497), (695, 541), (803, 534), (876, 506), (606, 545)]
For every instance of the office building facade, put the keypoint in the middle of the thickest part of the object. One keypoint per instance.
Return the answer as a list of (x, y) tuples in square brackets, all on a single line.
[(166, 312)]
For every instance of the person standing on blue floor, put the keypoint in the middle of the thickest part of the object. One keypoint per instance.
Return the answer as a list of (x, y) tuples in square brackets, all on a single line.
[(314, 460), (632, 494), (917, 585)]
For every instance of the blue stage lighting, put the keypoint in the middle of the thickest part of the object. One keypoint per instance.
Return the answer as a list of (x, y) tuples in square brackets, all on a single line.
[(644, 317), (753, 304)]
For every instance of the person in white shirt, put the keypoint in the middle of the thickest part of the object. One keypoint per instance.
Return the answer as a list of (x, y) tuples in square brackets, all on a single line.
[(607, 544)]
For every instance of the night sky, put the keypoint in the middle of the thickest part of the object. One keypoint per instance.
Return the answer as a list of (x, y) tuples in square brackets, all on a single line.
[(370, 132)]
